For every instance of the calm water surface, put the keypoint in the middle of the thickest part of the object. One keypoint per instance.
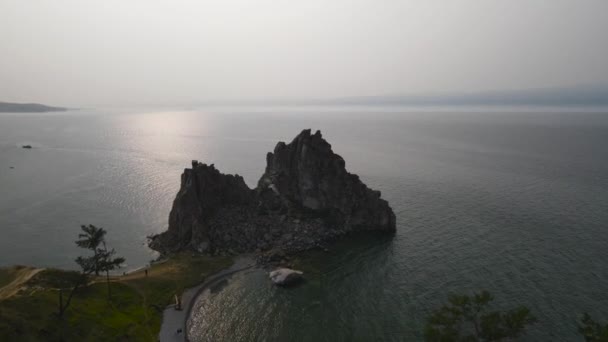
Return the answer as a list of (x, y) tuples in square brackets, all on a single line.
[(516, 203)]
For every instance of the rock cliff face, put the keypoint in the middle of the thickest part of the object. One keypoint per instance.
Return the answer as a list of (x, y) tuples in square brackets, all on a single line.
[(304, 199), (305, 178), (204, 191)]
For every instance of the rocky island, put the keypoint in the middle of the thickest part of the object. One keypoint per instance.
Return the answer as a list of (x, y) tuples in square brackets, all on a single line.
[(305, 199)]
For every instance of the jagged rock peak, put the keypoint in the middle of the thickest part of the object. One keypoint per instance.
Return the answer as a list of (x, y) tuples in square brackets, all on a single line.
[(306, 178), (203, 191)]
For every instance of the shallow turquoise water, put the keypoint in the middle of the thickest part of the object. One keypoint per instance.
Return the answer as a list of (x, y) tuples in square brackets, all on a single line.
[(513, 203)]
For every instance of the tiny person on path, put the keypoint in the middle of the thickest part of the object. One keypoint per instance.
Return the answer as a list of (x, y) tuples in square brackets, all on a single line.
[(178, 303)]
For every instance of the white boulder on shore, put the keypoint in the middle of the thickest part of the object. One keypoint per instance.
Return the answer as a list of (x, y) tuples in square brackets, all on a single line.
[(285, 276)]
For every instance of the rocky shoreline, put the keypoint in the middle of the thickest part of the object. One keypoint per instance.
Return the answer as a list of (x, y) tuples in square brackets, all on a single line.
[(304, 200)]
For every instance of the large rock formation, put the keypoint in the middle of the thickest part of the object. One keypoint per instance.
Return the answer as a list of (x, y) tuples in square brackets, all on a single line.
[(307, 178), (304, 199), (203, 192)]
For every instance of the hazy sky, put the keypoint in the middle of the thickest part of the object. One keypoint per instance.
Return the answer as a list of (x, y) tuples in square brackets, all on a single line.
[(77, 52)]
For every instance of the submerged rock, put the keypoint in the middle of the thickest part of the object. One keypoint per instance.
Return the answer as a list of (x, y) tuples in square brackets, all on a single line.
[(285, 276), (305, 198)]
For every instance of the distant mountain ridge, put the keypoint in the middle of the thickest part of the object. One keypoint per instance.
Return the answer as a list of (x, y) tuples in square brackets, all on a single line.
[(562, 96), (573, 96), (580, 96), (8, 107)]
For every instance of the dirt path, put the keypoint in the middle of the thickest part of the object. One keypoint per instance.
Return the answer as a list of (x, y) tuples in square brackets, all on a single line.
[(22, 276)]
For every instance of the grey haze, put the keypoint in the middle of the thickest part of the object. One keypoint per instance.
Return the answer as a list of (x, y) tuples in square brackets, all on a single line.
[(75, 52)]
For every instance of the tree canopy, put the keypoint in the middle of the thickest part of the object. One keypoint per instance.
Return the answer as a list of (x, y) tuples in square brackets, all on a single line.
[(467, 318), (592, 330)]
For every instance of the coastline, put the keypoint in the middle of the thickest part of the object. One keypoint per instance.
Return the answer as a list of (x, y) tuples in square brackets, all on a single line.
[(30, 303), (173, 320)]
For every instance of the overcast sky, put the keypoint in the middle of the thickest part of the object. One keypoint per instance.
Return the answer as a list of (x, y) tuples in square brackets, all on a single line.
[(77, 52)]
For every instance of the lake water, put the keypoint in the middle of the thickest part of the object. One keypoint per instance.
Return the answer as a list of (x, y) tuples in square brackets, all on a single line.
[(515, 203)]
